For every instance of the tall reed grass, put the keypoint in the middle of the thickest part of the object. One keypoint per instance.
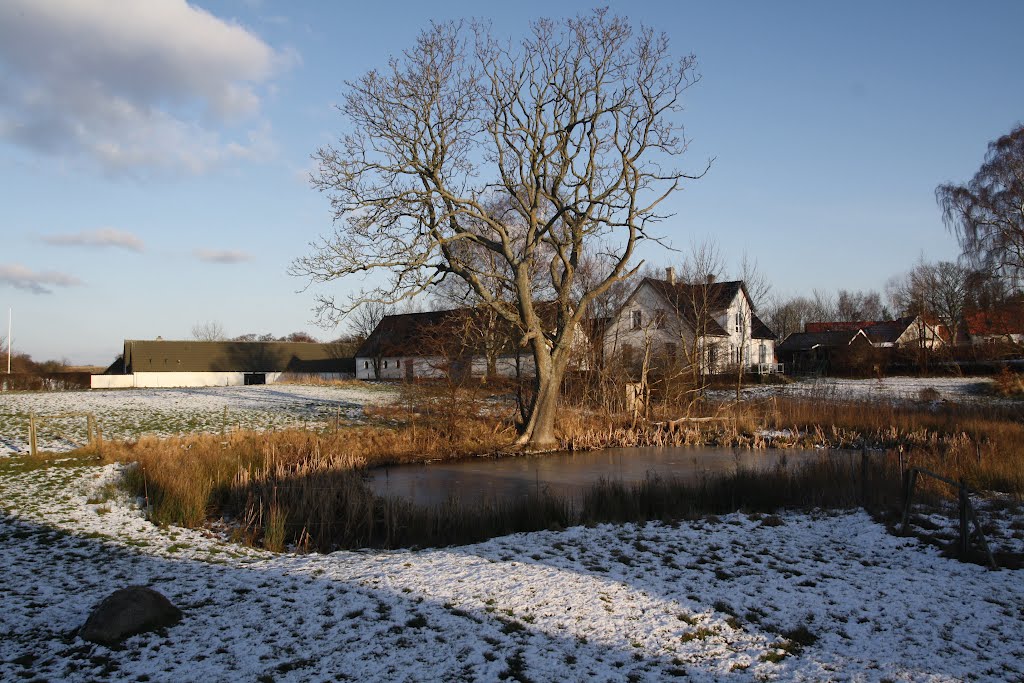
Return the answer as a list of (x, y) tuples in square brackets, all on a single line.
[(306, 489)]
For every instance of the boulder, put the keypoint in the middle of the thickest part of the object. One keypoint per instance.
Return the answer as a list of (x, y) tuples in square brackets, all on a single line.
[(126, 612)]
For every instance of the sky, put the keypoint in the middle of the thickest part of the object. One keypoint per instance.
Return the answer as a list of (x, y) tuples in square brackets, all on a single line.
[(155, 156)]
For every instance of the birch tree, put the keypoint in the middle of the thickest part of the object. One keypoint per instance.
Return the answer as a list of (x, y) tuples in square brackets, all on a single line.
[(575, 126)]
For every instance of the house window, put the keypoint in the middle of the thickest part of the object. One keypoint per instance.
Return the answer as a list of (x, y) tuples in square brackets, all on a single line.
[(636, 319), (670, 352), (398, 363), (659, 319), (366, 365), (763, 355), (738, 321), (385, 365)]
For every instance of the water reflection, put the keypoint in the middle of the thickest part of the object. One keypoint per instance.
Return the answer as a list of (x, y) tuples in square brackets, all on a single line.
[(568, 473)]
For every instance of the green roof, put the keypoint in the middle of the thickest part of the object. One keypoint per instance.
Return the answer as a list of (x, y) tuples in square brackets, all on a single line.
[(233, 356)]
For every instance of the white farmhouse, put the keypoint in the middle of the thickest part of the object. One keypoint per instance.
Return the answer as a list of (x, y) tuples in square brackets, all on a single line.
[(712, 324)]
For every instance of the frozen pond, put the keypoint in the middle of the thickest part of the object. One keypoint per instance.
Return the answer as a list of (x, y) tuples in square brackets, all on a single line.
[(570, 473)]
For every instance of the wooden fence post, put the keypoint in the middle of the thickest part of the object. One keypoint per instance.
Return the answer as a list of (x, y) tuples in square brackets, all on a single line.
[(908, 497), (864, 476), (32, 433), (964, 529)]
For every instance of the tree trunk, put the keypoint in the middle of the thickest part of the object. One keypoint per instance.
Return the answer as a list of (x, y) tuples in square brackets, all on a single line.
[(539, 431)]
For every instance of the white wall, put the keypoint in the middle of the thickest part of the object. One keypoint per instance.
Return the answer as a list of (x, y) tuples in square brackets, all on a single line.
[(435, 367), (675, 331), (175, 379), (620, 331)]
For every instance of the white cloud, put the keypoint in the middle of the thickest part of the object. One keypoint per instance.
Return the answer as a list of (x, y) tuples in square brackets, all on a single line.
[(20, 277), (101, 237), (155, 84), (222, 255)]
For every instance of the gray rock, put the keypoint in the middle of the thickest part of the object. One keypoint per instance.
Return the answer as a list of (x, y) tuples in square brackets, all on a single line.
[(126, 612)]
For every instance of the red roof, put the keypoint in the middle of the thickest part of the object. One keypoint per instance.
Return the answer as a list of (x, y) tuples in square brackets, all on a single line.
[(1008, 319)]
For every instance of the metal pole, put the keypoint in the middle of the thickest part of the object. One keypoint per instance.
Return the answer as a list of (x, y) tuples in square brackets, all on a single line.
[(9, 341)]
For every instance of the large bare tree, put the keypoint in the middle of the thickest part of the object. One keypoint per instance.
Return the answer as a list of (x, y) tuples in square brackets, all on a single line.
[(211, 330), (574, 128), (987, 214), (938, 291)]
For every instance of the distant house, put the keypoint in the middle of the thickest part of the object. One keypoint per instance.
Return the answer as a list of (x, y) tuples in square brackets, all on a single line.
[(457, 343), (1001, 325), (824, 351), (160, 363), (906, 332), (712, 324)]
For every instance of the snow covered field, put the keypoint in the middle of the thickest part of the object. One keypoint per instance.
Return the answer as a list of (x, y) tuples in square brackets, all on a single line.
[(130, 413), (745, 598)]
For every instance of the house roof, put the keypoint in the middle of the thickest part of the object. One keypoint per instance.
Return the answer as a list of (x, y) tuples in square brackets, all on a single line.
[(759, 330), (877, 331), (1008, 319), (403, 333), (807, 341), (451, 332), (158, 355), (706, 299)]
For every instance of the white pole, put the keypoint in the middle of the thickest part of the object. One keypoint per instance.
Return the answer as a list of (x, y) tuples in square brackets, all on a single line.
[(9, 344)]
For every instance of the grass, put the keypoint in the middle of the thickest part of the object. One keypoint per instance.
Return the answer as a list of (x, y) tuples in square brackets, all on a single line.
[(305, 489)]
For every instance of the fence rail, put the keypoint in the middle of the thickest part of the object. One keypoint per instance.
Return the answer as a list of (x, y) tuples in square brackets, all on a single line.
[(967, 515), (95, 435)]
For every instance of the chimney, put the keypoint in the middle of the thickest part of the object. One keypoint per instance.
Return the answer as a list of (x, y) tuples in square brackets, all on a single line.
[(670, 275), (711, 278)]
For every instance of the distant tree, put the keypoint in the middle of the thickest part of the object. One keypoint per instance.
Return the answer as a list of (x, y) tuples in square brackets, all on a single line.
[(939, 291), (786, 316), (208, 331), (987, 214), (575, 126), (253, 337), (856, 306), (300, 337)]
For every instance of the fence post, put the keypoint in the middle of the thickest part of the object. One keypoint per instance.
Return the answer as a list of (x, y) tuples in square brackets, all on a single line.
[(908, 496), (32, 433), (864, 476), (964, 530)]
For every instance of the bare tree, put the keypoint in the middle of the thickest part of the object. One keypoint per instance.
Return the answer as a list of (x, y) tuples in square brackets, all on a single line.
[(211, 330), (364, 321), (987, 214), (366, 317), (574, 127), (758, 288), (300, 337), (939, 291), (786, 316), (701, 357), (856, 306)]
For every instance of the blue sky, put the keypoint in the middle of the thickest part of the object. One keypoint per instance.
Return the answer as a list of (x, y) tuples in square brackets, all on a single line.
[(155, 155)]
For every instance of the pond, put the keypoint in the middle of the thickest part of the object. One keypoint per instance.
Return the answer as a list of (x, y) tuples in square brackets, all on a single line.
[(570, 473)]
